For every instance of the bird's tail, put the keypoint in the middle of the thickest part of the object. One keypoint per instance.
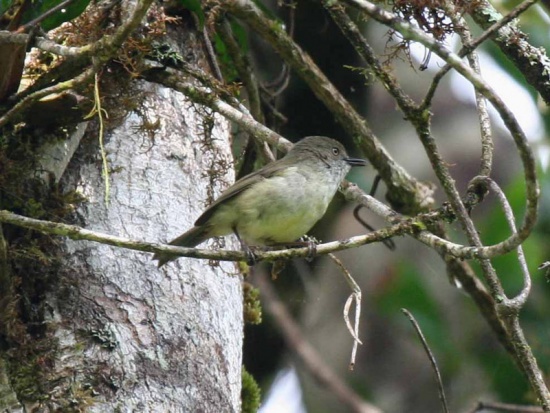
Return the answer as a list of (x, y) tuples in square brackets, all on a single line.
[(191, 238)]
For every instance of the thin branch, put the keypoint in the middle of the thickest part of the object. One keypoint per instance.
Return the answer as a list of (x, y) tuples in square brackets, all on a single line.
[(506, 407), (173, 79), (77, 233), (41, 43), (509, 309), (527, 361), (531, 61), (212, 58), (363, 48), (496, 27), (517, 302), (244, 68), (487, 146), (431, 357), (27, 101), (414, 227), (472, 45)]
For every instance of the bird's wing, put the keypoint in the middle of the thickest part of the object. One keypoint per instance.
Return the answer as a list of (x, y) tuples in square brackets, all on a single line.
[(241, 185)]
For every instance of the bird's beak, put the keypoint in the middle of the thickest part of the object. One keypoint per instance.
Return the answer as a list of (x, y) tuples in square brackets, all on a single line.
[(355, 161)]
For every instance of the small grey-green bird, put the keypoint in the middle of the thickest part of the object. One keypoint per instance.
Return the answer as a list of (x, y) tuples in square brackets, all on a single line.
[(278, 203)]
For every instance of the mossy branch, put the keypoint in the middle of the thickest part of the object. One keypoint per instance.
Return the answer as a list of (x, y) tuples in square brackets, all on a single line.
[(77, 233)]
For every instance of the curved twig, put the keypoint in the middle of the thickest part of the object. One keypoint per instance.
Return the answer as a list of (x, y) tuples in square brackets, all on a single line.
[(431, 357)]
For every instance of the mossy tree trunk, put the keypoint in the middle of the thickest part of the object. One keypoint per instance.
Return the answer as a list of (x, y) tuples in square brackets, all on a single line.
[(89, 327)]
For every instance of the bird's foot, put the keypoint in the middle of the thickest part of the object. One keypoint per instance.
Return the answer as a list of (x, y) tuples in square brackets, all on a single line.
[(251, 258), (311, 244), (305, 241)]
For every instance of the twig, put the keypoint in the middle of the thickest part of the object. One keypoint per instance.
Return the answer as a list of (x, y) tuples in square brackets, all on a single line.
[(489, 32), (487, 146), (517, 302), (363, 48), (519, 49), (42, 43), (312, 361), (431, 357), (173, 79), (355, 295), (244, 68), (389, 243), (506, 407), (531, 61), (27, 101), (211, 55)]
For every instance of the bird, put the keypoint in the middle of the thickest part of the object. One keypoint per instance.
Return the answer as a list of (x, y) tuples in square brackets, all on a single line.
[(277, 204)]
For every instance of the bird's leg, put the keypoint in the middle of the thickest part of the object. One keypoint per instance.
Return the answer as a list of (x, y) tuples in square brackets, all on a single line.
[(250, 257)]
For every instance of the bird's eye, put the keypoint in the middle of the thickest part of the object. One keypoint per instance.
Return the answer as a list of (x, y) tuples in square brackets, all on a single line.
[(335, 151)]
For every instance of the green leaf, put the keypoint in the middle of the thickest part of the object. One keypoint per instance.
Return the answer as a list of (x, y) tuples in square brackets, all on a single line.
[(68, 13), (225, 60), (195, 7), (72, 11), (260, 4), (5, 5), (240, 35)]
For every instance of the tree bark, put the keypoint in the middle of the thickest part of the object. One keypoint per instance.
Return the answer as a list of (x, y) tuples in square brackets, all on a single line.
[(122, 335), (162, 340)]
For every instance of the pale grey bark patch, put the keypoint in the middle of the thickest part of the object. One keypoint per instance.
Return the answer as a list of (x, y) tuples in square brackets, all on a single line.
[(56, 156), (145, 339)]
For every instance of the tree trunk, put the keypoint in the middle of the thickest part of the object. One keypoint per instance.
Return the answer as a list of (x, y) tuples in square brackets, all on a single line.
[(118, 334)]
